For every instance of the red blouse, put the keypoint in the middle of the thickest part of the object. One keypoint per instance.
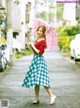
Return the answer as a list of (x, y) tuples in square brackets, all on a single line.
[(40, 45)]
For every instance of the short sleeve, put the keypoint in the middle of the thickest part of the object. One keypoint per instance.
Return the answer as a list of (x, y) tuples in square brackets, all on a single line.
[(41, 48)]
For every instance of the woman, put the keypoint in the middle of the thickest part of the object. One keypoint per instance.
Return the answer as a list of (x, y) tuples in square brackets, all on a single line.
[(37, 74)]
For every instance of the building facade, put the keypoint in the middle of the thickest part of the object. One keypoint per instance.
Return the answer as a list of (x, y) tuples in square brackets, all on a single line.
[(2, 18), (78, 12)]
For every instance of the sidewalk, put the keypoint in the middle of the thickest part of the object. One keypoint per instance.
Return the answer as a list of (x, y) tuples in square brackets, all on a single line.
[(64, 77)]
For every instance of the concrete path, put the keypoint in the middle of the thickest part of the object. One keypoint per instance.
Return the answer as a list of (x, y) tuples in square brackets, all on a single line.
[(64, 77)]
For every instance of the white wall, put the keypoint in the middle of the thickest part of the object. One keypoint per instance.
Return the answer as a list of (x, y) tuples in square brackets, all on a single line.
[(69, 12), (4, 3), (22, 33), (32, 18), (32, 13), (16, 17), (25, 27)]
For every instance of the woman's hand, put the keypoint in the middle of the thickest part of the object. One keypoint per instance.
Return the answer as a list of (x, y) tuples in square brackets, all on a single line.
[(31, 44)]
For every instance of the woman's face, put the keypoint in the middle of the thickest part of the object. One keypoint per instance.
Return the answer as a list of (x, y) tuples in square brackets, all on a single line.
[(40, 32)]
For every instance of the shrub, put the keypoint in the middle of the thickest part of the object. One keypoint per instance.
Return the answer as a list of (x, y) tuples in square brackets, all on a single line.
[(71, 30), (64, 43), (68, 30), (25, 52), (17, 55), (3, 41), (65, 35)]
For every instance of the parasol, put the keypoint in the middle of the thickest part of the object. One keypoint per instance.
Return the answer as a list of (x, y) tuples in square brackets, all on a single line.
[(51, 35)]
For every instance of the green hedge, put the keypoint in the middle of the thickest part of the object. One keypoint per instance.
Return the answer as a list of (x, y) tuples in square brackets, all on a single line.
[(25, 52), (65, 35), (68, 30), (64, 43)]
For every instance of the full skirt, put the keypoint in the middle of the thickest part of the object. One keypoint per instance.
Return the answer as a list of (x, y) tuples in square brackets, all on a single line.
[(37, 73)]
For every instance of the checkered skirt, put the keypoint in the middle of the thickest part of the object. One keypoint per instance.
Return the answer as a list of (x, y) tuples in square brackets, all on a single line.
[(37, 73)]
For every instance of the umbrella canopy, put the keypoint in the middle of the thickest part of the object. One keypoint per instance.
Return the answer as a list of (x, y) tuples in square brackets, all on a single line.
[(38, 22), (51, 35)]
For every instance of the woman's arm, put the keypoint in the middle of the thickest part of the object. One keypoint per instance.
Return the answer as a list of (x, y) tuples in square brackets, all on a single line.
[(31, 44)]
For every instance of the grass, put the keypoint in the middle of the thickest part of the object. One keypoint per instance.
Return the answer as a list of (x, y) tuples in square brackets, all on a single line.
[(25, 52), (17, 55)]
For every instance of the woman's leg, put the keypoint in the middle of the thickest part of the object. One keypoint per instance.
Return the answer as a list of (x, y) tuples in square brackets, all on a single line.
[(49, 91), (51, 95), (37, 92)]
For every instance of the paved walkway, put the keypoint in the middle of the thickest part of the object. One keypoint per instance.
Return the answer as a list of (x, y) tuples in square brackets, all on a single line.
[(64, 77)]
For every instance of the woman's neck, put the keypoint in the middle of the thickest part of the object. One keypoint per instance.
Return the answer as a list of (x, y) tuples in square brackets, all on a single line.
[(39, 39)]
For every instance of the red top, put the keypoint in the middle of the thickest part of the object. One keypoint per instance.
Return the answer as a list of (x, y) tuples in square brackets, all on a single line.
[(40, 45)]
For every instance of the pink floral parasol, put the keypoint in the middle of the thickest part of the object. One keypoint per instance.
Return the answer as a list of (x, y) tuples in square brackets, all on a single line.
[(51, 35)]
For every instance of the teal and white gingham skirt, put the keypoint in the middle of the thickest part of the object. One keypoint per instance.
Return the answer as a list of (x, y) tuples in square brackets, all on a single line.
[(37, 73)]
